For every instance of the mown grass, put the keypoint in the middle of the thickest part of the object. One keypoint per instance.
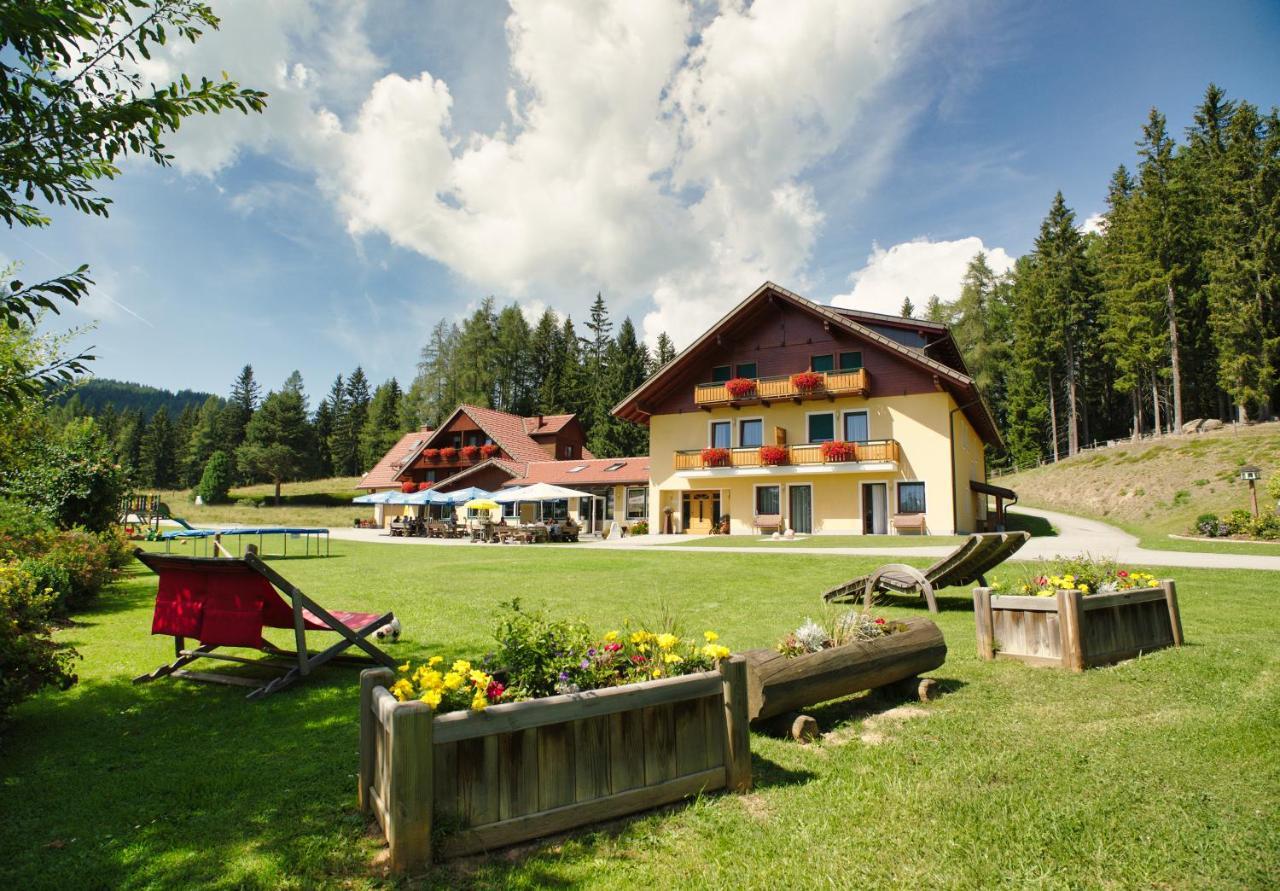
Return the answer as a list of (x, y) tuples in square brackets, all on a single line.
[(324, 502), (1159, 772), (820, 541)]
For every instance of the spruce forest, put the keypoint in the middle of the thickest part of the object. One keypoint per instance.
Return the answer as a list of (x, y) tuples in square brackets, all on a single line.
[(1169, 312)]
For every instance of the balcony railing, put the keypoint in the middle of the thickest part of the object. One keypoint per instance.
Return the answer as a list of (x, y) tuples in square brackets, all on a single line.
[(874, 451), (834, 383)]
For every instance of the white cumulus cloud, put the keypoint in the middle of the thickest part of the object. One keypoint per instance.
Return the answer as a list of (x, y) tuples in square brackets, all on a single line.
[(918, 269)]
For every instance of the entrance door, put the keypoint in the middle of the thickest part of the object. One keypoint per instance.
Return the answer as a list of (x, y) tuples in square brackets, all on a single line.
[(701, 512), (875, 508), (800, 504)]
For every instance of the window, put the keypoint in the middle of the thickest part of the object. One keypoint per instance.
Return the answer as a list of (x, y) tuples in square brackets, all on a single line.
[(568, 452), (850, 361), (608, 504), (910, 498), (720, 433), (822, 363), (511, 510), (747, 369), (555, 510), (751, 433), (617, 465), (578, 469), (768, 500), (720, 374), (637, 502), (855, 426), (822, 427)]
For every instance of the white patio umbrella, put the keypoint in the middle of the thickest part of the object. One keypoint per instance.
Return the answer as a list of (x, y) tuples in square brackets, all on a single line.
[(547, 492), (510, 495)]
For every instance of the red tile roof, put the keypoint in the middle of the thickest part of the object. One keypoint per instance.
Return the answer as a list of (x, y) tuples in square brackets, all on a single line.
[(507, 430), (588, 472), (384, 473), (515, 470), (549, 423)]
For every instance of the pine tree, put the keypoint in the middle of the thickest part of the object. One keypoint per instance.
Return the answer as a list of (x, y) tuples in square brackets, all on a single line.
[(476, 357), (202, 442), (664, 351), (277, 440), (546, 362), (434, 391), (573, 389), (908, 310), (595, 350), (348, 425), (383, 427), (336, 444), (936, 311), (157, 465), (322, 424), (245, 393), (983, 329), (625, 366), (514, 388), (128, 441)]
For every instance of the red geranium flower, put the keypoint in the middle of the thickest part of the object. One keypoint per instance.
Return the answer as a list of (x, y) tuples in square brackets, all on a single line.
[(469, 452), (448, 453), (488, 450), (1123, 574), (422, 487), (431, 454), (408, 486), (879, 621), (638, 659), (494, 691)]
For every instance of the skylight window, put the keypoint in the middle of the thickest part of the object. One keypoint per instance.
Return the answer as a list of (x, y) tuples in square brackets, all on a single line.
[(578, 469), (616, 466)]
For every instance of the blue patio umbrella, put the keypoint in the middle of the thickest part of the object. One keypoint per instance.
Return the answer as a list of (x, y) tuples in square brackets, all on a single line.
[(377, 498), (462, 496)]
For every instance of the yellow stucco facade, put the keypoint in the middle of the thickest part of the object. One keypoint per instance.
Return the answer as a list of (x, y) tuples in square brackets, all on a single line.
[(842, 497)]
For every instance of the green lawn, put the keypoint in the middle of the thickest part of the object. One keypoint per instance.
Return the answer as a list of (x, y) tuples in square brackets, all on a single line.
[(821, 541), (1160, 772)]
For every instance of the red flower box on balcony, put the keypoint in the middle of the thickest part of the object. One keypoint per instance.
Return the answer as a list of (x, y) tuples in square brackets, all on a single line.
[(431, 454), (489, 450), (807, 381), (715, 457), (837, 451), (740, 387), (773, 455), (448, 453), (470, 452), (422, 487), (408, 487)]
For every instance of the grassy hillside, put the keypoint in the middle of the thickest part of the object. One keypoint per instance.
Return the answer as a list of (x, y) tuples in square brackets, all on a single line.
[(1156, 488), (313, 503)]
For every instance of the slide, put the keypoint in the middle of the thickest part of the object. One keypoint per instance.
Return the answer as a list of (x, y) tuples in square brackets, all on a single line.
[(181, 522)]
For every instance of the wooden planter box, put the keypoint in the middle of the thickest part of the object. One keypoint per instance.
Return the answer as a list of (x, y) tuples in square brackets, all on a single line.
[(527, 769), (1073, 631), (777, 684)]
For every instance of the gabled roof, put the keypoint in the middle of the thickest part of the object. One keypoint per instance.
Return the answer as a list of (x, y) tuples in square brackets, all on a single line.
[(508, 467), (588, 472), (507, 430), (385, 473), (540, 425), (959, 383)]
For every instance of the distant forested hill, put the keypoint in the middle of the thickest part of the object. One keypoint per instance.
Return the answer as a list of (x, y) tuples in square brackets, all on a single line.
[(95, 394)]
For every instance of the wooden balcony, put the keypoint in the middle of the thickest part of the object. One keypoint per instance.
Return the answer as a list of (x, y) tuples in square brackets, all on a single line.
[(877, 451), (769, 389)]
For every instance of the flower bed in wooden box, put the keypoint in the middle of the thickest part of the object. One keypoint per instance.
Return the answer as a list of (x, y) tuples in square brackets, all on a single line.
[(1075, 631), (521, 770), (778, 683)]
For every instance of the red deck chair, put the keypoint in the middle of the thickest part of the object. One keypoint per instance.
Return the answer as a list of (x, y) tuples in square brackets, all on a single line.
[(227, 602)]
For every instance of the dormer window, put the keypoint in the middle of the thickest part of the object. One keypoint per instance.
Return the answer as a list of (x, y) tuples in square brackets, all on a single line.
[(746, 369), (721, 373)]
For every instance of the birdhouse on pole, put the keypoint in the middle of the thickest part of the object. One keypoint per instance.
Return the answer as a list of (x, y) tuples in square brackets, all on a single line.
[(1251, 475)]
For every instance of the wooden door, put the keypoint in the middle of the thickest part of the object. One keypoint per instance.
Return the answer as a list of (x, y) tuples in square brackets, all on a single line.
[(701, 512)]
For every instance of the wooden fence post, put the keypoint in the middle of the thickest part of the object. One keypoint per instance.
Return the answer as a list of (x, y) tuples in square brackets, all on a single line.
[(737, 737), (409, 787), (369, 679), (985, 623), (1175, 617), (1069, 603)]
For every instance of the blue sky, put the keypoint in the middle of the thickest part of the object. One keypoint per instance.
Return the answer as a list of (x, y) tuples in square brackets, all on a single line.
[(419, 156)]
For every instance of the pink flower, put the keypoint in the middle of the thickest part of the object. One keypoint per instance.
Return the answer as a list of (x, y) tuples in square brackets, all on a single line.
[(879, 621), (494, 691), (1123, 574)]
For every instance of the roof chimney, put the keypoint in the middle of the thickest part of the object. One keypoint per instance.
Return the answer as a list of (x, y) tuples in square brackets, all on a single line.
[(539, 427), (425, 428)]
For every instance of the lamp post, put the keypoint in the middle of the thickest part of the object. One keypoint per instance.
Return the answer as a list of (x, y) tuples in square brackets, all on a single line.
[(1251, 475)]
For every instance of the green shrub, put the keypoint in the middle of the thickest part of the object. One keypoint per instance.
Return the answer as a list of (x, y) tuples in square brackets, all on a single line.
[(74, 568), (1182, 496), (70, 481), (22, 531), (1239, 522), (29, 658), (215, 483), (1210, 525), (640, 528), (1266, 527)]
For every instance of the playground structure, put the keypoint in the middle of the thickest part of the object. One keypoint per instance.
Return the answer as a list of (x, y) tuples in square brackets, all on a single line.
[(146, 510), (211, 539)]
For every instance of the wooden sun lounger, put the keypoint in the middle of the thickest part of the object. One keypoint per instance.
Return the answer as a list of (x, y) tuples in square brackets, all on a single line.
[(970, 562), (228, 602)]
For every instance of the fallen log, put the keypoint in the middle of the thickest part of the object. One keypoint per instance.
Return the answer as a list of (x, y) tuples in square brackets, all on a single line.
[(778, 683)]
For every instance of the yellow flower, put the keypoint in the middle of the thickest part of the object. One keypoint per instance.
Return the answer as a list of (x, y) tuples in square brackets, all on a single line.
[(611, 637), (462, 666), (478, 702), (639, 637), (667, 641), (404, 668), (479, 678), (1082, 588), (657, 672), (429, 679), (402, 690), (715, 651), (435, 660), (672, 659), (996, 586), (432, 697), (644, 647), (711, 636), (453, 681)]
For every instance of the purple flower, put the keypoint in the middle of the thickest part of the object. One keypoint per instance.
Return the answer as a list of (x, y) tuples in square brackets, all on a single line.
[(591, 652), (564, 676), (584, 664)]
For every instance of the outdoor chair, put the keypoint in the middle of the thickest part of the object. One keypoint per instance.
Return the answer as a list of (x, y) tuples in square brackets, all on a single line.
[(904, 522), (766, 522), (970, 562), (227, 603)]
